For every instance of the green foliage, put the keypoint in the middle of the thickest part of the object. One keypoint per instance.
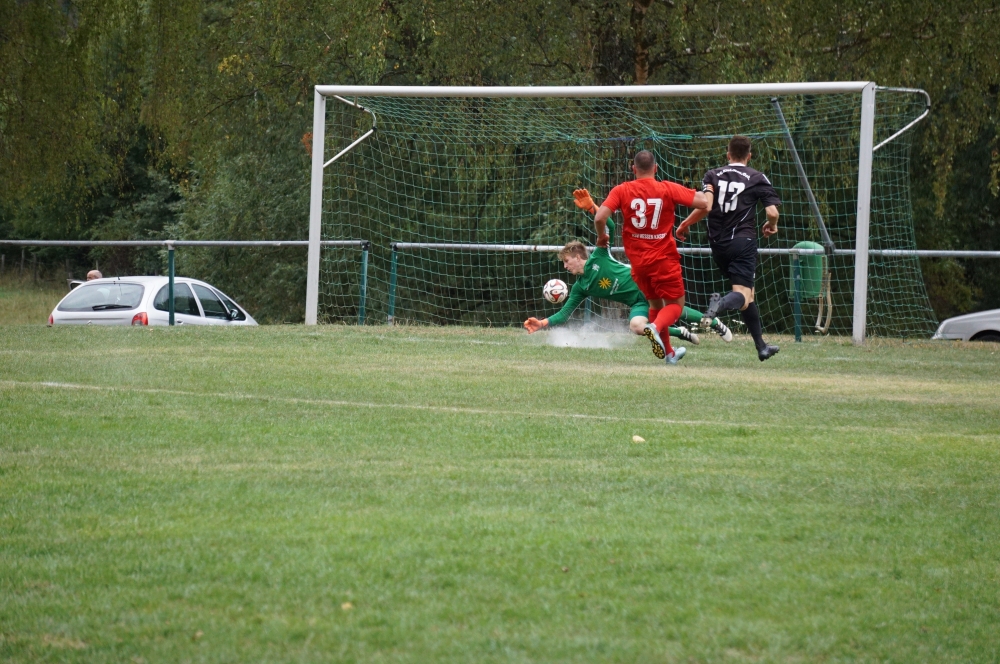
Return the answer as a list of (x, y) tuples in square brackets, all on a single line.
[(256, 191), (197, 85)]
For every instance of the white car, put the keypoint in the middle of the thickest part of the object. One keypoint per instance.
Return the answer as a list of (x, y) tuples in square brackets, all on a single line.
[(145, 301), (980, 326)]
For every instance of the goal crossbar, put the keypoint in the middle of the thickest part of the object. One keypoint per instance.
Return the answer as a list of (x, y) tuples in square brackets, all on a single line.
[(564, 91)]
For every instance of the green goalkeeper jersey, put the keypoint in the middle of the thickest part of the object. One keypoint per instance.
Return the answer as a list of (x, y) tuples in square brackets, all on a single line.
[(602, 277)]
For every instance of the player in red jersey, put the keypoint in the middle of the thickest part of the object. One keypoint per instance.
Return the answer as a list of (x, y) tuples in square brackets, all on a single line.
[(647, 206)]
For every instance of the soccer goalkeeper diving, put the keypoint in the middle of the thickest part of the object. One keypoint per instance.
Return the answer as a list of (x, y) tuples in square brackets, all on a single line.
[(601, 276)]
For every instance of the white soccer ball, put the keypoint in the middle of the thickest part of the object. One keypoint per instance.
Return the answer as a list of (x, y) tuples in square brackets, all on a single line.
[(555, 291)]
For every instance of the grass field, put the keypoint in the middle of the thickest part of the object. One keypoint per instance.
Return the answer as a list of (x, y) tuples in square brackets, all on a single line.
[(25, 303), (288, 494)]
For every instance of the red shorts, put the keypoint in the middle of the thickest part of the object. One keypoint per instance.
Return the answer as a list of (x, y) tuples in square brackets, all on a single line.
[(662, 280)]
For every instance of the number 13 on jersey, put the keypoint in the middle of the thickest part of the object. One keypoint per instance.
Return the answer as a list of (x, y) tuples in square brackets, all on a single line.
[(734, 188), (641, 207)]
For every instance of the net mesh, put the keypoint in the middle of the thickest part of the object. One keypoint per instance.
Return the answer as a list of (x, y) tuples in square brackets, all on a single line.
[(502, 171)]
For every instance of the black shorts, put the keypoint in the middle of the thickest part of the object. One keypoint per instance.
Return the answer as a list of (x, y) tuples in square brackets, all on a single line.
[(737, 258)]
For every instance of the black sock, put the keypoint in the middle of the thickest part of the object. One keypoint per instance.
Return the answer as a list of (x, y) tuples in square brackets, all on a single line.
[(751, 316), (732, 300)]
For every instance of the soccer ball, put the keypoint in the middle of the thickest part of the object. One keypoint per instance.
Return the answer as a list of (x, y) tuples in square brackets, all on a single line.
[(555, 291)]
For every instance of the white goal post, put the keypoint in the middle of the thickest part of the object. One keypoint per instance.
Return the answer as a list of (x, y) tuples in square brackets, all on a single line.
[(865, 157)]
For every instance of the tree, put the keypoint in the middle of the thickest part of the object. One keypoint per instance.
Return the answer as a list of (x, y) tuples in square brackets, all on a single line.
[(104, 103)]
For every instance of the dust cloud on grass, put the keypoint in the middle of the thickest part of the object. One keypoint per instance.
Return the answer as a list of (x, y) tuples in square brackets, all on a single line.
[(588, 336)]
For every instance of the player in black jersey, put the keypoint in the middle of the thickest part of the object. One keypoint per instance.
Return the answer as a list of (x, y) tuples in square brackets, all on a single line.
[(733, 192)]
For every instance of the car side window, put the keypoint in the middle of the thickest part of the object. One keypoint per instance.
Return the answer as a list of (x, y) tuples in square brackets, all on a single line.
[(183, 300), (210, 303), (238, 315)]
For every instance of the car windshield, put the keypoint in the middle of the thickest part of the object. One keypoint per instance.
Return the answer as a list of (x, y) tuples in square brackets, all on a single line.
[(104, 296)]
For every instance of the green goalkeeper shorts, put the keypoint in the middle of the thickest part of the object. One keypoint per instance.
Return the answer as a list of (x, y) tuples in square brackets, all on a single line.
[(640, 309)]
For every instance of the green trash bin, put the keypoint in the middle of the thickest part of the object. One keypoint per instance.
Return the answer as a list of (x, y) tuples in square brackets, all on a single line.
[(811, 269)]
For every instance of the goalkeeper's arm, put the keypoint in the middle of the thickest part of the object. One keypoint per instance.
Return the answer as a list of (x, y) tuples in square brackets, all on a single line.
[(576, 296), (583, 200)]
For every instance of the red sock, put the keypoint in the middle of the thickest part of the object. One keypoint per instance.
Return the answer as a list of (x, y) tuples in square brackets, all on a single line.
[(652, 314), (666, 317)]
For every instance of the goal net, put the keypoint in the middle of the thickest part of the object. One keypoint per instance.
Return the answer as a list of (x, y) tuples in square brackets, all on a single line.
[(464, 200)]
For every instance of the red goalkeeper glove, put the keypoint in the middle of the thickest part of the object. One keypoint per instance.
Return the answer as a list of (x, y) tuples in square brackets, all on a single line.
[(583, 201)]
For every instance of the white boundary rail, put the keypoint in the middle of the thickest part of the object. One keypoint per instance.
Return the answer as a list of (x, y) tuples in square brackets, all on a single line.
[(865, 88)]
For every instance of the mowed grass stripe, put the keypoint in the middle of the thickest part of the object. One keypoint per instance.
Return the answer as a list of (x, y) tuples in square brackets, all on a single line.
[(752, 420), (914, 386), (350, 404)]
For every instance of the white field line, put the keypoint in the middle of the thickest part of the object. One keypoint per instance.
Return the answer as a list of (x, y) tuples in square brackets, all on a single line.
[(462, 410), (238, 396)]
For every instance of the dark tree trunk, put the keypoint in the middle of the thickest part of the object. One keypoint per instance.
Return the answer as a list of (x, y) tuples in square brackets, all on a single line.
[(640, 45), (613, 58)]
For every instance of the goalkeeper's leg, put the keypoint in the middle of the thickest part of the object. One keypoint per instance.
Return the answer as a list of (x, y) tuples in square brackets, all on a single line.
[(684, 334), (694, 317), (638, 316)]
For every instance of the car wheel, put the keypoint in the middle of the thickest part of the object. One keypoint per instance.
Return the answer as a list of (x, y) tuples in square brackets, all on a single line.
[(987, 336)]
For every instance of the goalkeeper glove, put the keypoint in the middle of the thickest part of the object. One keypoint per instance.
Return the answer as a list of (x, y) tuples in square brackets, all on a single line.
[(583, 200), (534, 325)]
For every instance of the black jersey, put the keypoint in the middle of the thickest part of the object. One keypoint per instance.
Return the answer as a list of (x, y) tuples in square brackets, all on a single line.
[(737, 189)]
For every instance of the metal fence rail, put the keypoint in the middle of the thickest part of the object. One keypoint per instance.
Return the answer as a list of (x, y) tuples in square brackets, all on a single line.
[(763, 251), (363, 244), (365, 247), (795, 253)]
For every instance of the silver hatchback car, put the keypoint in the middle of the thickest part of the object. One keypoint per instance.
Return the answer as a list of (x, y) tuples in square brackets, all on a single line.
[(145, 301), (980, 326)]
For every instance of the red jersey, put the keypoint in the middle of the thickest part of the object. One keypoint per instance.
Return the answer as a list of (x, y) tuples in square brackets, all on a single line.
[(647, 207)]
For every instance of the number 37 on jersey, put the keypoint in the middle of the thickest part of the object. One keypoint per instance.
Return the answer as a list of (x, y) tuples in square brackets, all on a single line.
[(643, 209)]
